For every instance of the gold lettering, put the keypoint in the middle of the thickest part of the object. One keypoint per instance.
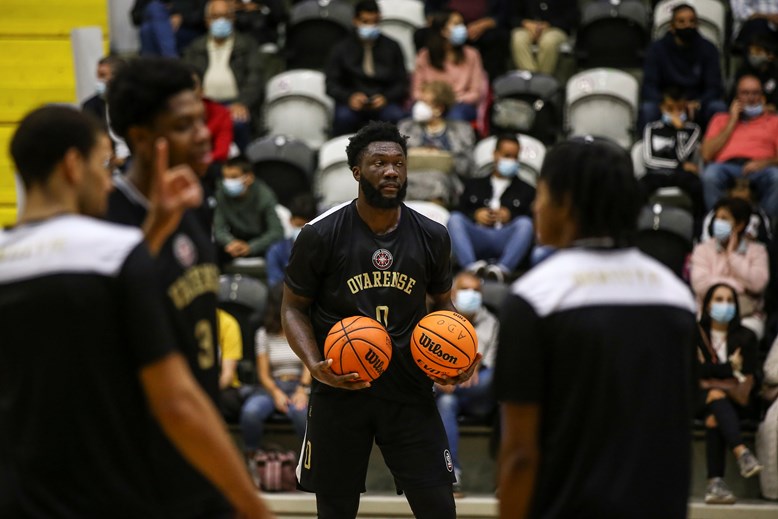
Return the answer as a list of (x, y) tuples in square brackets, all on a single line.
[(366, 281), (377, 278), (401, 282), (395, 277), (352, 285), (196, 281), (409, 287), (387, 276)]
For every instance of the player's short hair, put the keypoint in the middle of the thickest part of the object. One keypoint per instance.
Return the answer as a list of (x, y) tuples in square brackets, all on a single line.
[(114, 62), (374, 131), (303, 206), (45, 135), (596, 176), (239, 161), (674, 93), (366, 6), (140, 91), (510, 137)]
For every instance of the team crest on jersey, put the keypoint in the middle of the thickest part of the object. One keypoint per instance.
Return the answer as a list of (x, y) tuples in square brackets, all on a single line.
[(382, 259), (184, 250), (449, 461)]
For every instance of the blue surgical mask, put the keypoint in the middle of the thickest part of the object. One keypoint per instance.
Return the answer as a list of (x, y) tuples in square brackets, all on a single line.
[(752, 111), (100, 87), (722, 312), (507, 167), (221, 28), (458, 35), (668, 119), (368, 32), (468, 301), (721, 229), (233, 186)]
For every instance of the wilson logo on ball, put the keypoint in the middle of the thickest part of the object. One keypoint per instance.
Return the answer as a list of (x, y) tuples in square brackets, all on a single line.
[(436, 349), (374, 360)]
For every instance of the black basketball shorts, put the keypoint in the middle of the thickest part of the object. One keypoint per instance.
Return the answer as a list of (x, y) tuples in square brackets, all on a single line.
[(341, 429)]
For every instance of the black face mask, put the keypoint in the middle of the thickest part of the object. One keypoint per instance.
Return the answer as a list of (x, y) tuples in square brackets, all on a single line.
[(686, 35), (374, 197)]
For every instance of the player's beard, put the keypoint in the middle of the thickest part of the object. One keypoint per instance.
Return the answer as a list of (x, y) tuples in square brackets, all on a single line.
[(375, 199)]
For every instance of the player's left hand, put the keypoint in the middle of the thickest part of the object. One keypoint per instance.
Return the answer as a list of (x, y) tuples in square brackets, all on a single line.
[(463, 376)]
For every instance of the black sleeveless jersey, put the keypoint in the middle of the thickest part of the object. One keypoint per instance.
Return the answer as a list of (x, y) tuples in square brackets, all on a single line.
[(190, 278), (348, 270)]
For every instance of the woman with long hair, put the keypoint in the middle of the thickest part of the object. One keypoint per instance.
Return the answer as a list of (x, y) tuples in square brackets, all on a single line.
[(446, 58), (726, 351)]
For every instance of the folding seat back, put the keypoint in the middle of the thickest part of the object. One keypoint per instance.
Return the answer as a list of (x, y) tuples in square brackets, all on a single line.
[(315, 26), (527, 103), (612, 34), (399, 20), (283, 163), (602, 102), (297, 105)]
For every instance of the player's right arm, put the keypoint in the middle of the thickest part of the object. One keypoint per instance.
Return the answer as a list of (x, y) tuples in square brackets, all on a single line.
[(192, 424), (299, 332)]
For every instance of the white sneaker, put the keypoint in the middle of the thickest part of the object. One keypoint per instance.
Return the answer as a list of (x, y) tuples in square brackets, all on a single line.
[(478, 268)]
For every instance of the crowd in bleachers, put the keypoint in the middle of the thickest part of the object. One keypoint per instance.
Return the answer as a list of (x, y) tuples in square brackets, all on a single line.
[(482, 88)]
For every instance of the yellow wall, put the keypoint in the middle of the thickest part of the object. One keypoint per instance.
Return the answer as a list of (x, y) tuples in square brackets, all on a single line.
[(36, 67)]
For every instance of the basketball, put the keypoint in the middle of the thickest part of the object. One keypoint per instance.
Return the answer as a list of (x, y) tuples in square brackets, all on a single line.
[(358, 345), (442, 343)]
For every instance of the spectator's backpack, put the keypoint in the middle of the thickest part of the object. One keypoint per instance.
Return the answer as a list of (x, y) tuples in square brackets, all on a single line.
[(276, 470)]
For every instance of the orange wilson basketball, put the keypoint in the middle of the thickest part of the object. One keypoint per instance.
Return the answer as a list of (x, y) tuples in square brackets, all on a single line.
[(358, 345), (444, 342)]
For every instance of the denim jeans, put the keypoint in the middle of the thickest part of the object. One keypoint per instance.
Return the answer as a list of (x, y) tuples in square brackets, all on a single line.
[(257, 409), (719, 176), (462, 112), (157, 37), (508, 244), (476, 400)]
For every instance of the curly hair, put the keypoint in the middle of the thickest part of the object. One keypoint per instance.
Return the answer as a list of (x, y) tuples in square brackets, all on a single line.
[(141, 89), (374, 131), (441, 92)]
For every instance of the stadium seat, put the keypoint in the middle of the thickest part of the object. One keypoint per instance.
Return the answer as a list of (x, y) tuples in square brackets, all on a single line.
[(527, 103), (612, 34), (296, 104), (334, 183), (665, 233), (399, 20), (602, 102), (285, 164), (638, 163), (494, 293), (672, 197), (711, 16), (531, 157), (245, 299), (315, 26), (431, 210)]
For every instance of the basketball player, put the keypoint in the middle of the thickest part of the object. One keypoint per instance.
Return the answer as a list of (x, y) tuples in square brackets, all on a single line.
[(594, 364), (153, 106), (375, 257), (87, 352)]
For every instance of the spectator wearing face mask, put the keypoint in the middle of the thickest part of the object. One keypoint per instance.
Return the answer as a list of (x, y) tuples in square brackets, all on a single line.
[(430, 133), (670, 151), (684, 58), (760, 62), (303, 210), (474, 397), (446, 58), (743, 143), (494, 218), (366, 74), (245, 222), (232, 67), (731, 257)]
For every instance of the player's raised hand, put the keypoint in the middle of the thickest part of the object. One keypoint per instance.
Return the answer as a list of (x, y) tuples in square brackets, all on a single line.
[(322, 371), (172, 191), (463, 376)]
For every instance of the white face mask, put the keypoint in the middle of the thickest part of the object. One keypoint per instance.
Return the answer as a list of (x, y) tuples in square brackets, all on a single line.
[(421, 112), (100, 87)]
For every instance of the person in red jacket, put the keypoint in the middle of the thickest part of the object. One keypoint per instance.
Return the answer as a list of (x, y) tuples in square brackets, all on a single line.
[(218, 120)]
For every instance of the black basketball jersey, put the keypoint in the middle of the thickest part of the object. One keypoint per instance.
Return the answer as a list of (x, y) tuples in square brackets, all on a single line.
[(348, 270), (190, 278), (81, 316)]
